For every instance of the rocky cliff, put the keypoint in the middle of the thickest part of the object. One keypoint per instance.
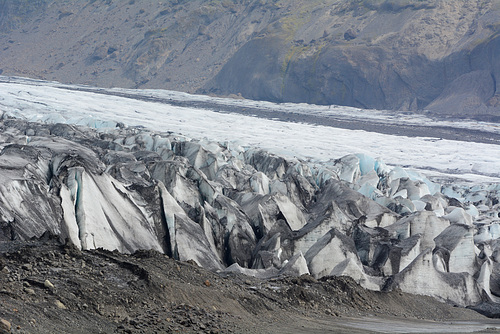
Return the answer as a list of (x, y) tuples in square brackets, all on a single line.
[(437, 55), (408, 55)]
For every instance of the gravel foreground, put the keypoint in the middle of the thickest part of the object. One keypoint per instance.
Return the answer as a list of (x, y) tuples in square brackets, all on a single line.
[(46, 287)]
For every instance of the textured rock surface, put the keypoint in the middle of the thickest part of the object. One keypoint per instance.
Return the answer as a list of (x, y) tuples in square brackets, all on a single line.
[(147, 292), (385, 54)]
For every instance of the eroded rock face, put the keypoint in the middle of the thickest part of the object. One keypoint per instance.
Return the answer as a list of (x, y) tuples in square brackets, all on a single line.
[(374, 54), (249, 211)]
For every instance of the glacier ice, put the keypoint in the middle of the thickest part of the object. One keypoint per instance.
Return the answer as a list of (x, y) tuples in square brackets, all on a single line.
[(239, 209)]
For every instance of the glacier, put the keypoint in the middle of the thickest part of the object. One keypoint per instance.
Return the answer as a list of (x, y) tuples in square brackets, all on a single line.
[(239, 193)]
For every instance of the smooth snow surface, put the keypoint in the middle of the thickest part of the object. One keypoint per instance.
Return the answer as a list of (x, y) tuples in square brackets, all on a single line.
[(52, 102)]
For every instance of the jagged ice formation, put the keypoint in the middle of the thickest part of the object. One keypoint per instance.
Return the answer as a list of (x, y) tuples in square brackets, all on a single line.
[(242, 209)]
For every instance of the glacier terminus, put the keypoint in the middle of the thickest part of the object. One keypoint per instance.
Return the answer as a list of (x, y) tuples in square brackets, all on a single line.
[(234, 192)]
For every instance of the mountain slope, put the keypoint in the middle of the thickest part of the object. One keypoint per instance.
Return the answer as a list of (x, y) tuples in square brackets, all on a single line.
[(406, 55)]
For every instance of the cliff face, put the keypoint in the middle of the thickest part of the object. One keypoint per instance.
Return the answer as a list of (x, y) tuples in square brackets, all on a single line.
[(419, 56), (13, 14), (385, 54)]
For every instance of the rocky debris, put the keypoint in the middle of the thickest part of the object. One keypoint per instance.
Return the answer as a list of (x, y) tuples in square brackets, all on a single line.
[(242, 210), (48, 285), (350, 35), (5, 326), (148, 292), (60, 305)]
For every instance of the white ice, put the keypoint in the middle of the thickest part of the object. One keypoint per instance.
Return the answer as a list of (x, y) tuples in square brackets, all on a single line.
[(56, 103)]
